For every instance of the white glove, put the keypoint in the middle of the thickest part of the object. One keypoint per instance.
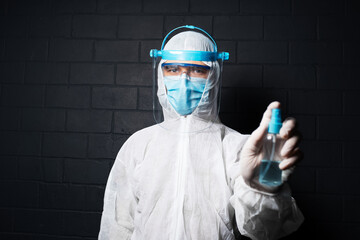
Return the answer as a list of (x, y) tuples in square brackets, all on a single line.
[(251, 154)]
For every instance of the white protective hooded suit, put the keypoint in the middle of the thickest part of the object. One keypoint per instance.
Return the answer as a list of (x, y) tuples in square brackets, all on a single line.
[(169, 182)]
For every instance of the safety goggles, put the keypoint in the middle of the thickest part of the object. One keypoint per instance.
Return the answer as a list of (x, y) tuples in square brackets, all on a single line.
[(192, 70)]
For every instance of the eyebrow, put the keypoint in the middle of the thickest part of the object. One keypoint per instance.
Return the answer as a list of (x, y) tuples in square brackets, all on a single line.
[(185, 65)]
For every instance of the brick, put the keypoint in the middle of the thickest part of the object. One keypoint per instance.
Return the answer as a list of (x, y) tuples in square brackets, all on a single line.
[(352, 77), (352, 8), (94, 198), (23, 7), (315, 53), (30, 168), (19, 194), (276, 76), (302, 180), (16, 236), (171, 22), (117, 7), (114, 98), (29, 144), (73, 97), (6, 220), (94, 26), (336, 230), (321, 7), (345, 129), (86, 73), (134, 74), (117, 51), (351, 53), (228, 100), (331, 77), (351, 31), (242, 76), (30, 95), (75, 6), (12, 72), (306, 126), (2, 48), (61, 196), (8, 168), (26, 49), (165, 6), (53, 169), (238, 27), (351, 104), (86, 171), (140, 27), (203, 6), (9, 118), (64, 145), (290, 27), (336, 181), (146, 46), (9, 143), (89, 121), (260, 99), (351, 208), (3, 24), (265, 7), (321, 153), (37, 221), (105, 145), (130, 122), (145, 98), (315, 102), (244, 124), (43, 120), (47, 73), (45, 26), (71, 197), (350, 151), (230, 47), (331, 27), (81, 224), (71, 50), (14, 26), (262, 52), (317, 206)]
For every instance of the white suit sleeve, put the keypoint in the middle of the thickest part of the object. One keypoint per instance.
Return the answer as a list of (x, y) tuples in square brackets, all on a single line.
[(260, 215), (119, 203)]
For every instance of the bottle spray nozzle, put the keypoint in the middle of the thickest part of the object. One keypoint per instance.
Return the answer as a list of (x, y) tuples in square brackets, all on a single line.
[(275, 122)]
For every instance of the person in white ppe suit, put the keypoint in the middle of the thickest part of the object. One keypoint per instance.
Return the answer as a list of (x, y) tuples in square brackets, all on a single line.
[(189, 176)]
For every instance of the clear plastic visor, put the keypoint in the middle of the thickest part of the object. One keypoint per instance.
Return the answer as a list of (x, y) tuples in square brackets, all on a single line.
[(193, 69), (186, 90)]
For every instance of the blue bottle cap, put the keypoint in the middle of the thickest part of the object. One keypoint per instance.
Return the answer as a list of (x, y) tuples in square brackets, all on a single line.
[(275, 122)]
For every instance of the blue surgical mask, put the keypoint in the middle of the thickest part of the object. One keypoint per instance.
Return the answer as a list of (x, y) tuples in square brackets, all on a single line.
[(183, 93)]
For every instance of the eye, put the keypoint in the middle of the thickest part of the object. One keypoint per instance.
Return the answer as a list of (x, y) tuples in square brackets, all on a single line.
[(171, 69), (199, 71)]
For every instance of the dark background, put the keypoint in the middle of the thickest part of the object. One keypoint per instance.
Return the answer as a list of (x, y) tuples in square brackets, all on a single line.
[(76, 83)]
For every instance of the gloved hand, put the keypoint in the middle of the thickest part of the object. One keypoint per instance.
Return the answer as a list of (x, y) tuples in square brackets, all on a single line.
[(251, 154)]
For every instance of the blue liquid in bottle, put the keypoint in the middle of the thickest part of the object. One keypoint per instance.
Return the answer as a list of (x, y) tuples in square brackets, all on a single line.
[(270, 173)]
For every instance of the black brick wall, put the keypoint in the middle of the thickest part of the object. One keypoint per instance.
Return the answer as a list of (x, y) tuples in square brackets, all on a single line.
[(75, 82)]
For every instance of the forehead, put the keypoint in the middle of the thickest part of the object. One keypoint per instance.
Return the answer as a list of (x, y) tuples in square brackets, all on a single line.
[(186, 62)]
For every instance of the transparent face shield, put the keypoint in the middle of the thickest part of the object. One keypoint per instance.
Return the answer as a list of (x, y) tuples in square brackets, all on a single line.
[(187, 83)]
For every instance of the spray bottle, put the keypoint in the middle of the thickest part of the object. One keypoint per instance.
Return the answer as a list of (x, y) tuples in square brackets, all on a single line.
[(270, 173)]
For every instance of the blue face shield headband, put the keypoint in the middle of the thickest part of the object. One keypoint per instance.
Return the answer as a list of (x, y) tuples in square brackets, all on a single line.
[(187, 55)]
